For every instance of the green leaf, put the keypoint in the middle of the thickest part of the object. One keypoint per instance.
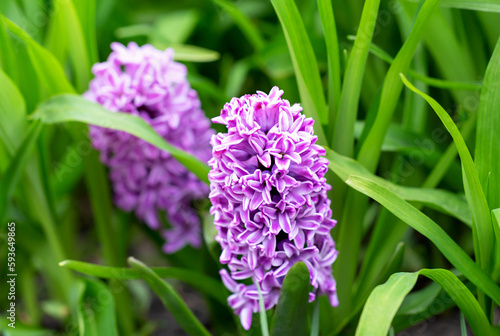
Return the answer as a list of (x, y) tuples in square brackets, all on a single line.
[(8, 60), (343, 136), (487, 150), (86, 10), (50, 73), (423, 224), (482, 228), (333, 54), (12, 113), (463, 325), (355, 205), (201, 282), (78, 50), (419, 301), (441, 200), (383, 303), (478, 5), (290, 317), (176, 27), (16, 166), (304, 63), (96, 309), (65, 108), (172, 301), (434, 82), (370, 149), (243, 22), (495, 214), (191, 53), (385, 300)]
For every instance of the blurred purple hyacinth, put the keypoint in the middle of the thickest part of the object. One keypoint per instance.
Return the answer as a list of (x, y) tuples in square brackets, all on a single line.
[(269, 199), (146, 82)]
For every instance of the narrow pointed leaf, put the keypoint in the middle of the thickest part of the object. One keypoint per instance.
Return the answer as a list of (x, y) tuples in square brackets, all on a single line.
[(487, 150), (172, 301), (66, 108), (201, 282), (12, 113), (96, 310), (385, 300), (482, 228), (49, 70), (440, 200), (16, 166), (290, 317), (304, 63), (423, 224)]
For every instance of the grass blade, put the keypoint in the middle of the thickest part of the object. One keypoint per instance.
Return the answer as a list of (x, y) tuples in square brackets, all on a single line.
[(172, 301), (370, 149), (290, 317), (333, 55), (343, 136), (8, 60), (383, 304), (440, 200), (201, 282), (423, 224), (477, 5), (487, 150), (246, 26), (304, 63), (65, 108), (482, 228)]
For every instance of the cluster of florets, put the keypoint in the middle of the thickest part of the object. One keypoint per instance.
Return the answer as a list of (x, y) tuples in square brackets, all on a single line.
[(269, 199), (148, 83)]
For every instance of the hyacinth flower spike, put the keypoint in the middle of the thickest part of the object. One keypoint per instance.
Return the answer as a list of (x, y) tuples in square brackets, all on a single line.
[(269, 200), (148, 83)]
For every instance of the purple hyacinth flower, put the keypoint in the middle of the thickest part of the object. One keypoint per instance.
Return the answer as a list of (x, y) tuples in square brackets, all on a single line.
[(148, 83), (269, 200)]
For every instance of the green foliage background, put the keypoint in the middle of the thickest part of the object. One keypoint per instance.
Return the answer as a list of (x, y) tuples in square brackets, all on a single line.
[(397, 88)]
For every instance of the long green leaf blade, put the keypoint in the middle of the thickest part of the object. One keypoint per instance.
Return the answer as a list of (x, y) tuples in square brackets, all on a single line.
[(423, 224), (12, 113), (343, 136), (263, 315), (304, 63), (96, 310), (487, 150), (482, 228), (325, 8), (172, 301), (16, 166), (383, 303), (65, 108), (477, 5), (49, 70), (201, 282), (440, 200), (290, 317), (385, 300)]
